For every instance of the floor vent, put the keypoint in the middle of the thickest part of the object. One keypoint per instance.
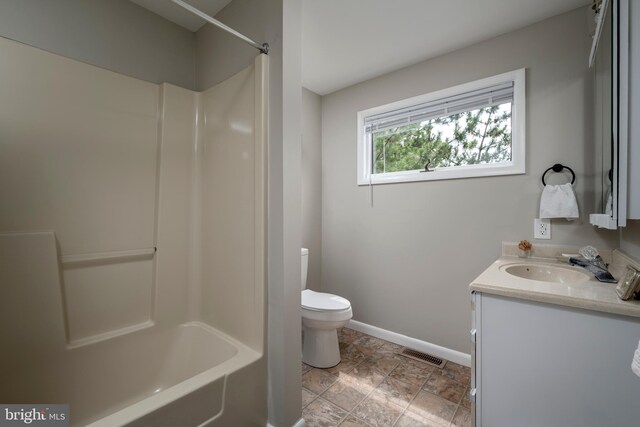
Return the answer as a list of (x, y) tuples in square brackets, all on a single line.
[(423, 357)]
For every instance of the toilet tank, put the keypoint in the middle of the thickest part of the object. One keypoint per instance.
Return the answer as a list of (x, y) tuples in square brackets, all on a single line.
[(304, 265)]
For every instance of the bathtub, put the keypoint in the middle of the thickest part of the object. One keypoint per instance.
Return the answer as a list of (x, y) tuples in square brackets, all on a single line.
[(174, 377)]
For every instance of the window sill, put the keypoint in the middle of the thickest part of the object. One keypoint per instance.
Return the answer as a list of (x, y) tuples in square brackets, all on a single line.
[(457, 172)]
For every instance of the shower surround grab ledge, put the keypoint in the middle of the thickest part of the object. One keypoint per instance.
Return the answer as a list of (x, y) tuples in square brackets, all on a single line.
[(108, 256)]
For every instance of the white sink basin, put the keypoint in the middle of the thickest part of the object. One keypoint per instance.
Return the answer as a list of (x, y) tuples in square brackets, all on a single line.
[(547, 273)]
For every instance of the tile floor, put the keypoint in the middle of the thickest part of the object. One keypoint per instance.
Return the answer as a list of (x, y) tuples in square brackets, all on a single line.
[(373, 386)]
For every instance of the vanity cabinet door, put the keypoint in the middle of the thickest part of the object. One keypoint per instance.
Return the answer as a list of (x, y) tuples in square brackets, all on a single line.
[(547, 365)]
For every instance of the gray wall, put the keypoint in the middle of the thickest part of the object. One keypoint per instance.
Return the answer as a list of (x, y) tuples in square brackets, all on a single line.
[(113, 34), (220, 56), (406, 262), (630, 238), (312, 184)]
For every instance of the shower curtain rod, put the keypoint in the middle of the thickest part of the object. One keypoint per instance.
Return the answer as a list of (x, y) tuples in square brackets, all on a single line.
[(263, 48)]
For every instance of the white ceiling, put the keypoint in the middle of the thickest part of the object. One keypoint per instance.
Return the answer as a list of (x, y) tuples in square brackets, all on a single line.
[(345, 42), (180, 16)]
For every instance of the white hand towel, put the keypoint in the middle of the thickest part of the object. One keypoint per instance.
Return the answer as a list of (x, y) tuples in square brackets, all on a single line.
[(635, 363), (559, 201)]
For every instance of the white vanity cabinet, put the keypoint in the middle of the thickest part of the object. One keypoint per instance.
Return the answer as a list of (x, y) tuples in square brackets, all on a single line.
[(544, 365)]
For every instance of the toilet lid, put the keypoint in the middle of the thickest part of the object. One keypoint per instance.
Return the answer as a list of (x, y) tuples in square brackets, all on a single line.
[(321, 301)]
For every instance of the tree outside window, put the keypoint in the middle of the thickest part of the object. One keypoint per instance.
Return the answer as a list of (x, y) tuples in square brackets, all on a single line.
[(480, 136)]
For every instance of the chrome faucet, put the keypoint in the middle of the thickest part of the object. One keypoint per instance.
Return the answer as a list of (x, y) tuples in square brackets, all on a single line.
[(593, 263)]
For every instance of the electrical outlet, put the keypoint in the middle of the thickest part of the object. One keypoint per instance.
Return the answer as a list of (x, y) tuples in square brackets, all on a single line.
[(541, 228)]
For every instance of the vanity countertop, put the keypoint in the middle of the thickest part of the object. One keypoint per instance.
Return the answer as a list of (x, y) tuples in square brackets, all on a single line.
[(589, 295)]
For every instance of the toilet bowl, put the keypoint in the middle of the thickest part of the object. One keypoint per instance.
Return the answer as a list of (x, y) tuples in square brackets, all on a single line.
[(322, 315)]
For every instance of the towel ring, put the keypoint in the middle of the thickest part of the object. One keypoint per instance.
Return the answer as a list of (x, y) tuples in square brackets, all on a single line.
[(558, 168)]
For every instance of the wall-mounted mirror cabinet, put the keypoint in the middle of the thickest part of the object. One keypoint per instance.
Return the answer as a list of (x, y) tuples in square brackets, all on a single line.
[(614, 59)]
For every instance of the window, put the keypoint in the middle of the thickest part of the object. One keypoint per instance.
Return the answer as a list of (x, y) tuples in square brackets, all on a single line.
[(475, 129)]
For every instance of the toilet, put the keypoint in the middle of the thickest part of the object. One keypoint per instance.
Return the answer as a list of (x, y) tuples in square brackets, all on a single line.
[(322, 315)]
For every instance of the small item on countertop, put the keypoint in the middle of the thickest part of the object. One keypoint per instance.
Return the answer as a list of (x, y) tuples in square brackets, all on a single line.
[(525, 248), (525, 245), (629, 284)]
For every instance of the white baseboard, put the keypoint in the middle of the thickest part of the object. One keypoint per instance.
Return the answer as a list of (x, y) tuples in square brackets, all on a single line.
[(416, 344), (299, 423)]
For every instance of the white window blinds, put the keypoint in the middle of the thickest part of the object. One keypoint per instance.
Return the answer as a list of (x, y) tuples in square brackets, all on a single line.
[(468, 101)]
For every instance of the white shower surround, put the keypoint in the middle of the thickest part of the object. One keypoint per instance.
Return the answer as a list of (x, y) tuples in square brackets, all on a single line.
[(112, 166)]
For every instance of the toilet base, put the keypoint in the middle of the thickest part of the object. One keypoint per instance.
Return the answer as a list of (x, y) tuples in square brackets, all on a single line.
[(320, 347)]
